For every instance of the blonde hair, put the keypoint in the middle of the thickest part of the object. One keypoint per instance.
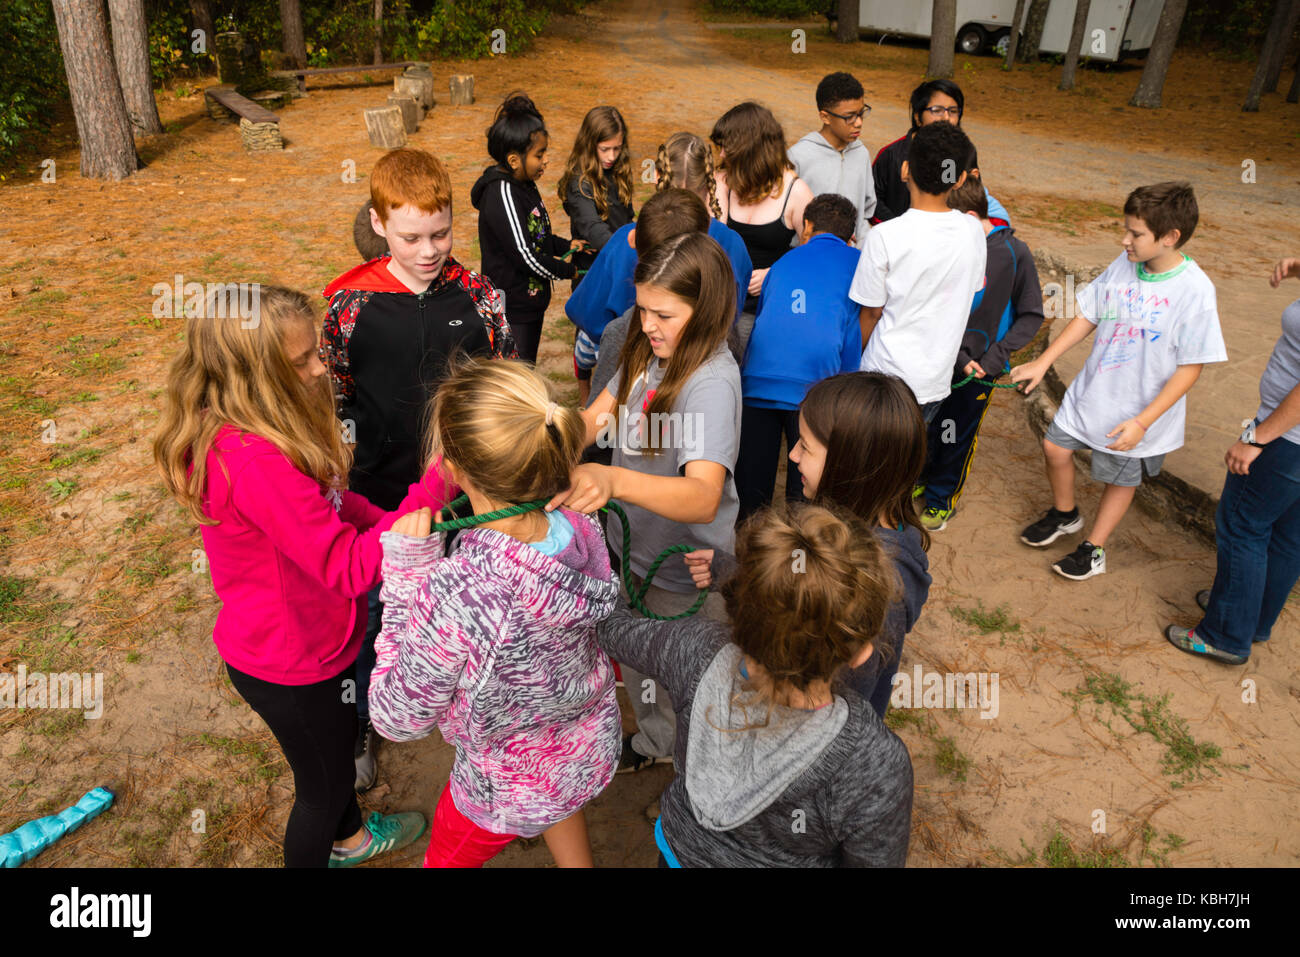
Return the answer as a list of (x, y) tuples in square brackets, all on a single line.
[(686, 161), (237, 372), (495, 420)]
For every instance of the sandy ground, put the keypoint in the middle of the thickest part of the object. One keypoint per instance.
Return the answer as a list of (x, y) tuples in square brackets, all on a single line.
[(103, 560)]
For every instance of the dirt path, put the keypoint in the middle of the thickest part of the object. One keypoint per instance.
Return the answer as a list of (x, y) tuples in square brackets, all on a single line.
[(103, 562)]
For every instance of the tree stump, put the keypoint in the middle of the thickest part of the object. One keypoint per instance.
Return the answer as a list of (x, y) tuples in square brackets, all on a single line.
[(425, 76), (385, 127), (229, 46), (260, 136), (410, 111), (368, 242), (411, 86), (462, 89)]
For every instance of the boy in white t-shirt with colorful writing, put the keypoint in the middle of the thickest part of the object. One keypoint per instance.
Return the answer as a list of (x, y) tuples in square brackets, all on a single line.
[(1157, 324)]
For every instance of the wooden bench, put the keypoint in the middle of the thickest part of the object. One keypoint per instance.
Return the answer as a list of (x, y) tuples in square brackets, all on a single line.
[(258, 127), (301, 75)]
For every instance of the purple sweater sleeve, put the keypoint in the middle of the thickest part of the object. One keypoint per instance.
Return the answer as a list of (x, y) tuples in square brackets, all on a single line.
[(288, 507), (420, 653)]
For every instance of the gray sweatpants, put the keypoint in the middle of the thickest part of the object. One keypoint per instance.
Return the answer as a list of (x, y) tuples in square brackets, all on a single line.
[(655, 721)]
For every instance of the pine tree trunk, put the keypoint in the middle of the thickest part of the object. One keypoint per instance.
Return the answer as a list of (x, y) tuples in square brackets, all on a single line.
[(295, 45), (1147, 94), (1033, 33), (943, 34), (379, 31), (1013, 41), (131, 55), (1077, 32), (201, 19), (846, 22), (1279, 52), (103, 127), (1293, 95)]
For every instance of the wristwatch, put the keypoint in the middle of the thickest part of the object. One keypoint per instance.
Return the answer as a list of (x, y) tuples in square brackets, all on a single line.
[(1248, 433)]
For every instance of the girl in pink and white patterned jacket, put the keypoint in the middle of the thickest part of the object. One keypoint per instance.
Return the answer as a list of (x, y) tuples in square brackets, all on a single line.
[(495, 644)]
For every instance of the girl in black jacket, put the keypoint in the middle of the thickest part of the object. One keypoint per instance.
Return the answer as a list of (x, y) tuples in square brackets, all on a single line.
[(596, 185)]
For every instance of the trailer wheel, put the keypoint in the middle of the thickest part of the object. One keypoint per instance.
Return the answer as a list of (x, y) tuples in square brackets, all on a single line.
[(1002, 40), (971, 38)]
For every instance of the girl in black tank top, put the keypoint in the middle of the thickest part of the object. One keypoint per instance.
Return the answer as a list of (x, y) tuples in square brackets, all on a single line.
[(765, 242)]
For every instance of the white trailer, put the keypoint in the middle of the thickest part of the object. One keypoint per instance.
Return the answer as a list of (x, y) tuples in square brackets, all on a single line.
[(1115, 29)]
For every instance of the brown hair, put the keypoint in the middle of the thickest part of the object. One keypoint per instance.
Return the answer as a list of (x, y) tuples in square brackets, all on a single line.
[(601, 123), (231, 372), (754, 152), (875, 446), (970, 197), (667, 214), (409, 177), (686, 160), (489, 420), (1164, 207), (693, 268), (812, 588)]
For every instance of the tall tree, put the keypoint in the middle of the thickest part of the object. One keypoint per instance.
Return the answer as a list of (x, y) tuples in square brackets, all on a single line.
[(131, 54), (1013, 41), (1293, 94), (379, 31), (1276, 40), (295, 46), (1280, 48), (943, 38), (1151, 84), (1032, 37), (103, 127), (846, 21), (1077, 33), (200, 18)]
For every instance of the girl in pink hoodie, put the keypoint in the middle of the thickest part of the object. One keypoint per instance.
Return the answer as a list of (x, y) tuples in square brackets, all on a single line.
[(249, 443), (495, 645)]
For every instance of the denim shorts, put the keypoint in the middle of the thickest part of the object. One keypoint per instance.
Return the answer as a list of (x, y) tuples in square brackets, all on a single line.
[(1123, 470)]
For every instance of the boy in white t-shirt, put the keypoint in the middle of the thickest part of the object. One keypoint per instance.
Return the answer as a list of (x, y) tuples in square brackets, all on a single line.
[(919, 273), (1157, 323)]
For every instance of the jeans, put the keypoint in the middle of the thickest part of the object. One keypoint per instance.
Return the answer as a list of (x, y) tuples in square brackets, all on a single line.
[(929, 410), (1258, 537)]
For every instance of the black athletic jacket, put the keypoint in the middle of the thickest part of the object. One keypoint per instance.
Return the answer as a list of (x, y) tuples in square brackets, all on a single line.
[(1007, 312), (892, 197), (521, 255)]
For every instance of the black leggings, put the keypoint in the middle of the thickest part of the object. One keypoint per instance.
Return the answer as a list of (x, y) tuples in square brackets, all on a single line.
[(760, 457), (317, 729), (527, 329)]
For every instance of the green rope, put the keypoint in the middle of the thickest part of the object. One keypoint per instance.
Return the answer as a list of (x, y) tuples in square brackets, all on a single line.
[(636, 595), (996, 385)]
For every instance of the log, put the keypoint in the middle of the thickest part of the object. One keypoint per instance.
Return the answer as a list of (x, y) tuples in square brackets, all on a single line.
[(385, 127), (462, 89), (413, 87), (410, 111), (425, 76)]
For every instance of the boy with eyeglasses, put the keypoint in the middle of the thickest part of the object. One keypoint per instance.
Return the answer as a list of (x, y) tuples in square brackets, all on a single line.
[(833, 159)]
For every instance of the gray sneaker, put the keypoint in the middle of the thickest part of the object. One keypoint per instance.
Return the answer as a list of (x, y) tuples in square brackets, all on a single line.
[(366, 753)]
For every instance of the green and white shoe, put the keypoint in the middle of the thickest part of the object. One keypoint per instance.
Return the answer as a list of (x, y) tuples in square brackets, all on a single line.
[(936, 519), (388, 832)]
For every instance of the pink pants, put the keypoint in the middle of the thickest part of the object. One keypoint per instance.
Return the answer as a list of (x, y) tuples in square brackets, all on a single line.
[(456, 841)]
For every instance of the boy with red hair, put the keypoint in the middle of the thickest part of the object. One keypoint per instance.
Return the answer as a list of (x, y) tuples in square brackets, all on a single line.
[(391, 326)]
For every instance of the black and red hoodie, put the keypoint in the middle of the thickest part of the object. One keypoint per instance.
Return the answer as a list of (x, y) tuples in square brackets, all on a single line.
[(387, 348), (521, 255)]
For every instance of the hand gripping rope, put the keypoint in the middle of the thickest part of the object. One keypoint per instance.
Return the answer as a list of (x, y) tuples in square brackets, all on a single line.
[(995, 385), (637, 595)]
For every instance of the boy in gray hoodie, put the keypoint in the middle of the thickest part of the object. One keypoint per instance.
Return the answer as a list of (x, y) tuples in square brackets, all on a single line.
[(779, 763), (833, 159)]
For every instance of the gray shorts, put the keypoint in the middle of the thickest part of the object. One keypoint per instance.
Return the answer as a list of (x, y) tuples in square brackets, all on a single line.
[(1108, 467)]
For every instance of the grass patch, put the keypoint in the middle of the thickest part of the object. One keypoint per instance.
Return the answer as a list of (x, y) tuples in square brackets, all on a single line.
[(152, 568), (985, 621), (73, 457), (1185, 758), (1059, 852), (61, 488), (268, 765), (950, 760), (62, 727)]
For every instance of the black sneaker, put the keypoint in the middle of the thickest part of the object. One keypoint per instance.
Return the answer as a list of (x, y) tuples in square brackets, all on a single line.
[(1052, 526), (633, 760), (1084, 562), (366, 753)]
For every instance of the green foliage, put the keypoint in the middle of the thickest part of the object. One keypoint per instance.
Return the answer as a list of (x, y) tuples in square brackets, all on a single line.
[(170, 42), (1233, 26), (806, 9), (463, 28), (31, 72)]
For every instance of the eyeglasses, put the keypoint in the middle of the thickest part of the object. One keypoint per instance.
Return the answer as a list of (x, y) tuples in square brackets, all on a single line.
[(850, 117), (938, 111)]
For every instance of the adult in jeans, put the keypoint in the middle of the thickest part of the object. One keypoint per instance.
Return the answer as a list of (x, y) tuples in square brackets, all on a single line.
[(1258, 520)]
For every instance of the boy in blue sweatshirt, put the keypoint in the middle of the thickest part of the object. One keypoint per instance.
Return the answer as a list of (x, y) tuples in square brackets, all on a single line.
[(806, 329), (1007, 313)]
